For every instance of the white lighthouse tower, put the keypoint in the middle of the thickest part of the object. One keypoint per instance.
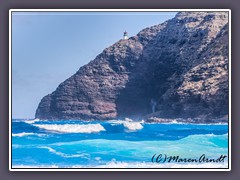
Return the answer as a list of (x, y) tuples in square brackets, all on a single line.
[(125, 35)]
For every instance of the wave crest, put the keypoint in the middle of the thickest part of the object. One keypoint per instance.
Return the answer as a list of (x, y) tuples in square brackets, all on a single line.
[(27, 134), (22, 134), (72, 128), (32, 121), (133, 125), (128, 123)]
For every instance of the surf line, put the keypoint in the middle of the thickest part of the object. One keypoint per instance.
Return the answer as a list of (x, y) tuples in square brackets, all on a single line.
[(163, 158)]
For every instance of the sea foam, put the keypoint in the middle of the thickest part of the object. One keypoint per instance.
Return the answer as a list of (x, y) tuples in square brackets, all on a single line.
[(72, 128), (128, 123), (32, 121), (27, 134), (133, 125), (22, 134)]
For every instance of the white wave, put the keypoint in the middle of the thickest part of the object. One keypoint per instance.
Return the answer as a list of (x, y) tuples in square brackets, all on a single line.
[(133, 125), (72, 128), (32, 121), (27, 134), (62, 154), (22, 134), (128, 123)]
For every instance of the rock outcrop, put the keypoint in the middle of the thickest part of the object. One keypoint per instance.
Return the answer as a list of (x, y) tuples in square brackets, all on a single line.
[(177, 69)]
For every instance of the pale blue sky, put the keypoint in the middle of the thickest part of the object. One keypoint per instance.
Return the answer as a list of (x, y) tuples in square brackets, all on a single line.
[(49, 47)]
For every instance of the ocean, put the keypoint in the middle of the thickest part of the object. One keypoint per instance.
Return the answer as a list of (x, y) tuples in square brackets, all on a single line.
[(116, 144)]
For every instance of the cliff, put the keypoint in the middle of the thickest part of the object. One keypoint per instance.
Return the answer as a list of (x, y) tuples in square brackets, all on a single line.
[(177, 69)]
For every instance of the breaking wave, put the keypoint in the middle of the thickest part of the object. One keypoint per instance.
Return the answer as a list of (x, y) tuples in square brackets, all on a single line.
[(72, 128), (22, 134), (32, 121), (128, 123), (27, 134), (114, 144), (133, 125)]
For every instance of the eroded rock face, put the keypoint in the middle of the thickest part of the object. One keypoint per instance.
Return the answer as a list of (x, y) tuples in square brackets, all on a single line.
[(180, 65)]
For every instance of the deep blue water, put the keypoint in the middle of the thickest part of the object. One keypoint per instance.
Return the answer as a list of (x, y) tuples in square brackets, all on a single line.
[(72, 143)]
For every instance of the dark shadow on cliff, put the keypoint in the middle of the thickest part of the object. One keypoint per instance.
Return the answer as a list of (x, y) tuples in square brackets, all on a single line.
[(152, 78)]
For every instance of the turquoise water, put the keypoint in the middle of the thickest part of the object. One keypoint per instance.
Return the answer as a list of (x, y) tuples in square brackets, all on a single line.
[(113, 144)]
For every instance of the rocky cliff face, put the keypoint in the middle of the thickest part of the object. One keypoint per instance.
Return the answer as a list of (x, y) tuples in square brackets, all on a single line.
[(178, 69)]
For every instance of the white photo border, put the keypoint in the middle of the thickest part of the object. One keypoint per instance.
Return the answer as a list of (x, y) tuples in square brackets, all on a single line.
[(117, 169)]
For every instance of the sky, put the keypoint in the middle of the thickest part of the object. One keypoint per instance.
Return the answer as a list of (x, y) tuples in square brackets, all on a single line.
[(49, 47)]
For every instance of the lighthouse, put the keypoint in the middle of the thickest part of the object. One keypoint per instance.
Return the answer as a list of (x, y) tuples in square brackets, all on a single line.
[(125, 35)]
